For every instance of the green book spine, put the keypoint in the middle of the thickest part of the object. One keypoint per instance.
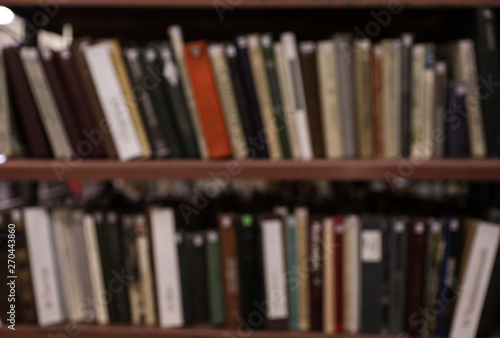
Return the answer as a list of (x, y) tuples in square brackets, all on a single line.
[(291, 249), (214, 276), (272, 77)]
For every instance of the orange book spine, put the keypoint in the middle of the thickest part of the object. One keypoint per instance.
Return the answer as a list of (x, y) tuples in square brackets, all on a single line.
[(205, 92)]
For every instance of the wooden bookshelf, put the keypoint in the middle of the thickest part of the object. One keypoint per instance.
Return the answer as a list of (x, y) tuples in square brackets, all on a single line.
[(260, 3), (345, 170)]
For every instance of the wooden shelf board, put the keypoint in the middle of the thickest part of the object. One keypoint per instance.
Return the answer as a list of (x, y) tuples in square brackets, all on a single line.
[(347, 170), (259, 3)]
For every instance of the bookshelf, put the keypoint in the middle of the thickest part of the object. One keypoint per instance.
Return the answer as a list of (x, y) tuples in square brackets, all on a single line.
[(345, 170)]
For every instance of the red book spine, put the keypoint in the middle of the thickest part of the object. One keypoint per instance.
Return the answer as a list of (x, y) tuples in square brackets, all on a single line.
[(337, 245), (205, 92)]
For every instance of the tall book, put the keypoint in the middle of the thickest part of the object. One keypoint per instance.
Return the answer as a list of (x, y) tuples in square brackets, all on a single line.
[(291, 248), (293, 75), (476, 280), (329, 90), (302, 233), (352, 274), (440, 109), (276, 93), (113, 100), (45, 101), (177, 41), (315, 255), (230, 269), (308, 65), (390, 97), (329, 300), (457, 136), (263, 92), (214, 277), (186, 296), (166, 267), (48, 301), (396, 99), (363, 82), (406, 92), (228, 100), (347, 92), (205, 91), (429, 100), (275, 272), (195, 242), (379, 107), (338, 242), (371, 246), (418, 142), (488, 69), (287, 100)]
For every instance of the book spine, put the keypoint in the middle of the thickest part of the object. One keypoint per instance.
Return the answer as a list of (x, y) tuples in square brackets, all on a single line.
[(197, 271), (396, 99), (377, 95), (406, 92), (315, 274), (291, 247), (363, 82), (5, 117), (397, 267), (296, 88), (308, 65), (177, 41), (187, 309), (417, 147), (215, 282), (228, 100), (302, 221), (388, 95), (440, 109), (338, 243), (205, 91), (457, 145), (352, 275), (429, 101), (329, 300), (329, 99)]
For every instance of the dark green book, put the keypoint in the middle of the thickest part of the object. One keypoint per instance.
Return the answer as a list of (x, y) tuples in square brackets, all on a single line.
[(372, 272), (154, 83), (398, 256), (195, 250), (214, 277), (184, 270), (272, 77), (172, 86)]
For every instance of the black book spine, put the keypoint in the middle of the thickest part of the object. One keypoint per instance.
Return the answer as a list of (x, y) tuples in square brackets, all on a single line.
[(195, 249), (406, 66), (457, 140), (258, 140)]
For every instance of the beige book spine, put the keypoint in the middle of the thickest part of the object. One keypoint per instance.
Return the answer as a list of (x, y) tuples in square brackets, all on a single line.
[(328, 277), (351, 275), (429, 110), (177, 41), (396, 99), (5, 123), (228, 100), (121, 70), (467, 72), (363, 97), (95, 270), (417, 109), (286, 99), (388, 113), (302, 221), (259, 75), (329, 98), (45, 101)]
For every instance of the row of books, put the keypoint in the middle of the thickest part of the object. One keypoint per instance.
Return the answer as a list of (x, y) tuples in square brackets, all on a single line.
[(255, 97), (281, 270)]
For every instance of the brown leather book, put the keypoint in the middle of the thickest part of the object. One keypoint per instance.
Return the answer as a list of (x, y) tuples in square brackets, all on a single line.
[(229, 256), (34, 132), (61, 97), (377, 110), (91, 95), (316, 272), (311, 90), (415, 277), (205, 92), (80, 105)]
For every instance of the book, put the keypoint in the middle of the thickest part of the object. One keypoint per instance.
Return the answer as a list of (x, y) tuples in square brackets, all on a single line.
[(195, 254), (406, 92), (338, 244), (228, 100), (230, 269), (329, 301), (347, 92), (476, 279), (308, 65), (351, 297), (214, 277), (292, 271), (299, 114), (48, 301), (113, 101), (49, 113), (363, 95), (371, 250), (166, 267), (418, 116), (263, 92), (156, 139), (6, 123), (488, 70), (391, 62), (396, 99), (379, 107), (457, 140), (205, 91), (439, 130), (186, 296), (302, 245), (270, 62), (315, 255), (329, 98), (429, 105), (177, 41), (274, 271)]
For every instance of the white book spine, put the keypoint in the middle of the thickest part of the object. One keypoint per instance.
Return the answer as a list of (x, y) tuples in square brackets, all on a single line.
[(43, 268), (294, 80), (113, 101), (476, 280), (166, 264), (99, 300), (275, 283)]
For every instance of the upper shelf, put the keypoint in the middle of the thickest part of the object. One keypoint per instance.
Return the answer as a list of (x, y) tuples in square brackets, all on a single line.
[(346, 170), (261, 3)]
